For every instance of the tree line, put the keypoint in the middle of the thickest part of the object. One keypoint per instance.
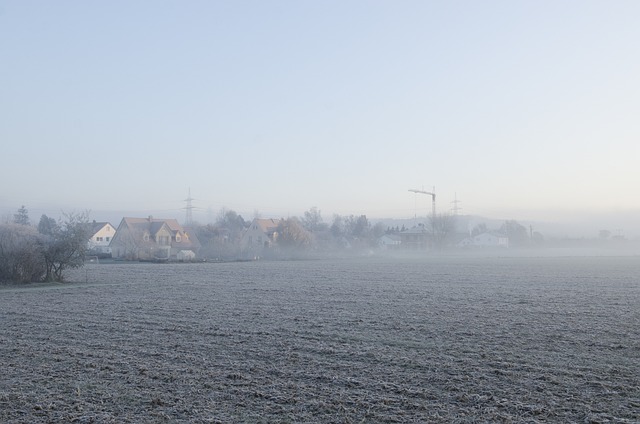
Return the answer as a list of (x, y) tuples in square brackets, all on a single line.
[(310, 233), (305, 234), (43, 252)]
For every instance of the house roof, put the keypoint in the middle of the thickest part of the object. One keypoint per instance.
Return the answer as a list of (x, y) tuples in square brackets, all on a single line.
[(171, 223), (153, 225), (94, 226), (393, 237), (495, 234), (419, 229), (267, 224)]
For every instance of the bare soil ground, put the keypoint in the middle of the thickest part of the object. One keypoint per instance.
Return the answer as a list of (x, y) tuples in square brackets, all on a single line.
[(395, 341)]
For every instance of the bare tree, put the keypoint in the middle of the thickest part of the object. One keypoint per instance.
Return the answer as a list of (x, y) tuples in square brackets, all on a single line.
[(338, 226), (21, 257), (516, 232), (312, 220), (443, 227), (22, 217), (377, 231), (47, 225), (358, 226), (65, 244), (30, 254), (479, 229), (232, 223), (292, 235)]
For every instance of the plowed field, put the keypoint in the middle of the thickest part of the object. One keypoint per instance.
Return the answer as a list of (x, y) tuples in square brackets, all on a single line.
[(371, 340)]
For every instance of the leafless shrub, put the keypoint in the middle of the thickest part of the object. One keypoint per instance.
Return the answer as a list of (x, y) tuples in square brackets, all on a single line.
[(21, 258)]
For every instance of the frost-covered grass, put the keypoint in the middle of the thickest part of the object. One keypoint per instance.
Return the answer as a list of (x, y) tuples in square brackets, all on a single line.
[(371, 340)]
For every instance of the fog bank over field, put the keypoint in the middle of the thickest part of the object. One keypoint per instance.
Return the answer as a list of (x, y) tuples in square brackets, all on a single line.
[(558, 225), (589, 224)]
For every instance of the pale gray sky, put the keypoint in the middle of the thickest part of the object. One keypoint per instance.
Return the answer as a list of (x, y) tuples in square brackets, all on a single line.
[(525, 109)]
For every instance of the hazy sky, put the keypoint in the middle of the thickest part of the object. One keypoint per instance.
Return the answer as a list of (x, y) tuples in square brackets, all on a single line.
[(525, 109)]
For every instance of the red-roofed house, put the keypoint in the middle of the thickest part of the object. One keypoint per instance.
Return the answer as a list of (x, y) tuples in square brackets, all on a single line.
[(153, 239), (261, 234)]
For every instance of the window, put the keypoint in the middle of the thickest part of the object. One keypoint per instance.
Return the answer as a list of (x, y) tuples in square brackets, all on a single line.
[(108, 238), (178, 238), (98, 238)]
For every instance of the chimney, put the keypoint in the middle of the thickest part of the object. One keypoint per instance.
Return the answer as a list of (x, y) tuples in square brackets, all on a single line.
[(150, 218)]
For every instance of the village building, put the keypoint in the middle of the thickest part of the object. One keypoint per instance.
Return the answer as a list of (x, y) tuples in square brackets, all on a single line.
[(389, 241), (485, 240), (261, 234), (101, 234), (153, 239), (416, 238)]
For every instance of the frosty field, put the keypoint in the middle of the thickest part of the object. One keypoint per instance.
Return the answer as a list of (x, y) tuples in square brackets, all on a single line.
[(367, 340)]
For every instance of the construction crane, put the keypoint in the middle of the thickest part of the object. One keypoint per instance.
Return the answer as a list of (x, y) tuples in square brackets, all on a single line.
[(433, 198)]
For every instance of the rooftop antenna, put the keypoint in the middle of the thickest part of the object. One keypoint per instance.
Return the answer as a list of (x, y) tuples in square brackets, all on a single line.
[(189, 208)]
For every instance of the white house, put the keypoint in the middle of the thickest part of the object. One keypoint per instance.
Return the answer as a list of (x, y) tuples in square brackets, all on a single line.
[(487, 239), (101, 235), (415, 238), (262, 233), (389, 241)]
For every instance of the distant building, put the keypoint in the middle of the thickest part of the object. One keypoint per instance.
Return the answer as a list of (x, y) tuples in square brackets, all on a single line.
[(101, 235), (416, 238), (487, 239), (153, 239), (389, 241), (261, 234)]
